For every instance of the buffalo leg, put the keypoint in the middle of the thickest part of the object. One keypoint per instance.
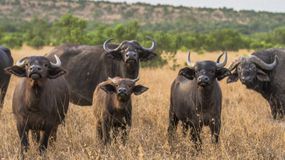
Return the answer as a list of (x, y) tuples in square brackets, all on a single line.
[(115, 134), (195, 134), (125, 134), (44, 140), (106, 132), (53, 134), (23, 134), (99, 130), (173, 121), (185, 128), (36, 135), (215, 126), (126, 128), (3, 93), (281, 109)]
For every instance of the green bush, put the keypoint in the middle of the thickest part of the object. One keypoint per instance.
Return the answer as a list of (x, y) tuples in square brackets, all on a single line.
[(12, 40)]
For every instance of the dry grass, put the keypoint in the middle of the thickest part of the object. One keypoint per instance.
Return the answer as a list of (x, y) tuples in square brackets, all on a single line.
[(248, 131)]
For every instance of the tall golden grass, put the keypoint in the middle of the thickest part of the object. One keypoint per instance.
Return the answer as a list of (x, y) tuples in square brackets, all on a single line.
[(248, 131)]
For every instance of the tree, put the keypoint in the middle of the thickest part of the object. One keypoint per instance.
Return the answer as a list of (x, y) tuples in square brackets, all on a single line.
[(37, 34), (69, 29)]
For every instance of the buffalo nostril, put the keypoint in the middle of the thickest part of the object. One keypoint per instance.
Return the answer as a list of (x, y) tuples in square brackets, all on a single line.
[(122, 90)]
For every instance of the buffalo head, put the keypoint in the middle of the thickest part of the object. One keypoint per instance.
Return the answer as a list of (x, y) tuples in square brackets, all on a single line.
[(249, 69), (123, 88), (36, 68), (205, 72), (130, 51)]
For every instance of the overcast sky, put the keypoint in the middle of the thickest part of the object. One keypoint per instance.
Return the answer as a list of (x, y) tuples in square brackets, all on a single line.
[(257, 5)]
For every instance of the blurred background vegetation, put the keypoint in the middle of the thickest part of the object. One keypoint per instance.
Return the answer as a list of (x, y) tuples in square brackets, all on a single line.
[(41, 23)]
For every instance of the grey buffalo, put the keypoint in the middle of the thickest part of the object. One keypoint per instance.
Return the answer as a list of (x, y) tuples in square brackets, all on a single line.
[(196, 99), (113, 107), (40, 100), (88, 66), (263, 71), (6, 60)]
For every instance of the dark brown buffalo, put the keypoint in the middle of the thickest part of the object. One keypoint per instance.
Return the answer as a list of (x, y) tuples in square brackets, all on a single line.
[(264, 73), (196, 99), (113, 107), (90, 65), (6, 60), (40, 100)]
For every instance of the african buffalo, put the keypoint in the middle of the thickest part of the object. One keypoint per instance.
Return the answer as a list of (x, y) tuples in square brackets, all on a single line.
[(40, 100), (113, 107), (90, 65), (264, 72), (6, 60), (196, 99)]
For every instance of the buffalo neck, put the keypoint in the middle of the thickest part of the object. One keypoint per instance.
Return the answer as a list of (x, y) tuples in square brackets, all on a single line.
[(120, 106), (130, 70), (261, 87), (33, 93), (205, 95), (264, 88)]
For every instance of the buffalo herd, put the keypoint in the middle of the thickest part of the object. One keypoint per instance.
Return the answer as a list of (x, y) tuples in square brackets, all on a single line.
[(105, 77)]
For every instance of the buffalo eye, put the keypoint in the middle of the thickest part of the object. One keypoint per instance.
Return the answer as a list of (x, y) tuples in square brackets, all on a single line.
[(45, 65)]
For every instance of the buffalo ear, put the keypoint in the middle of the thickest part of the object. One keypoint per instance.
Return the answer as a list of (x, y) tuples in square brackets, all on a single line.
[(222, 73), (108, 88), (139, 89), (233, 77), (262, 76), (146, 55), (55, 72), (187, 72), (115, 55), (17, 71)]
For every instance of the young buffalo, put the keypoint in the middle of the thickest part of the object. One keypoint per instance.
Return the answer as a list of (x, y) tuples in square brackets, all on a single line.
[(113, 107), (40, 100), (196, 99)]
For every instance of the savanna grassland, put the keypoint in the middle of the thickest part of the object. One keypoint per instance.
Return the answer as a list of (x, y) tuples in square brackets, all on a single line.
[(248, 131)]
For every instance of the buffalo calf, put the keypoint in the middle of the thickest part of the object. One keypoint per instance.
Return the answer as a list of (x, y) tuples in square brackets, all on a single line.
[(113, 107), (196, 99), (40, 100)]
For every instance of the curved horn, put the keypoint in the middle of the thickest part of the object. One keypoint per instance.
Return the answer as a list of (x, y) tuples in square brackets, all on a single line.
[(262, 64), (135, 80), (219, 58), (21, 62), (153, 45), (57, 63), (107, 49), (235, 64), (220, 65), (189, 60)]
